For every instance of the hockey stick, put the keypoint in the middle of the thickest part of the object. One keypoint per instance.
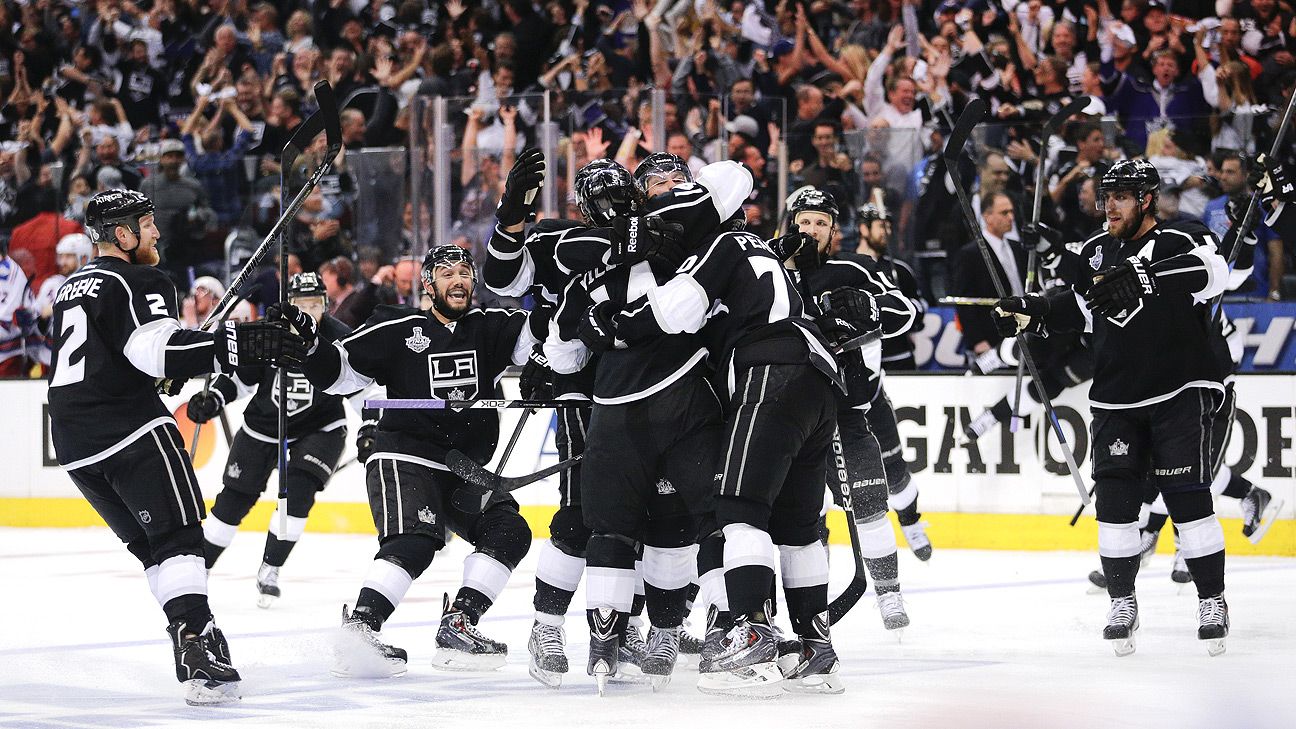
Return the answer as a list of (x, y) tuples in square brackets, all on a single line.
[(1248, 218), (1051, 127), (972, 114), (858, 585), (437, 404), (473, 472), (968, 301), (513, 439)]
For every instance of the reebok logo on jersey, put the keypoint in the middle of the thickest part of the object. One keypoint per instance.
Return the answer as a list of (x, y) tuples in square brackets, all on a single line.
[(1118, 448), (418, 343)]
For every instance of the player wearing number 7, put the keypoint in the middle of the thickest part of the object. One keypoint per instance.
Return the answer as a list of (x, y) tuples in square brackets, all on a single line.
[(116, 333)]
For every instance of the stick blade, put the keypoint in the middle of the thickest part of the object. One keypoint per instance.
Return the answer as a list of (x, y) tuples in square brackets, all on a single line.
[(842, 604), (471, 471), (972, 115)]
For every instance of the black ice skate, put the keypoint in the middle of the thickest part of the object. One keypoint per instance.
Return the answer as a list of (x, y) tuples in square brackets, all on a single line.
[(712, 642), (1258, 513), (1179, 573), (816, 671), (1122, 623), (1148, 546), (461, 647), (690, 650), (891, 605), (631, 655), (1213, 623), (267, 585), (747, 664), (659, 655), (360, 654), (548, 659), (1097, 582), (916, 537), (607, 626), (980, 425), (207, 679)]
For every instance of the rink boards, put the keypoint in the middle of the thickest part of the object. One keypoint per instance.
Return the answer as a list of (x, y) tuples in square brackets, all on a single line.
[(1007, 491)]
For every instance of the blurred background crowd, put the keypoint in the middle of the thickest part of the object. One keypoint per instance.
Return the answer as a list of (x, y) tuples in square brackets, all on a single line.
[(192, 101)]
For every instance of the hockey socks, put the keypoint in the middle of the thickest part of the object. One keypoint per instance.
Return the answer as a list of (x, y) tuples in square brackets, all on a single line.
[(1119, 547), (182, 590), (749, 568), (1202, 544), (558, 574), (667, 577), (805, 584), (384, 587)]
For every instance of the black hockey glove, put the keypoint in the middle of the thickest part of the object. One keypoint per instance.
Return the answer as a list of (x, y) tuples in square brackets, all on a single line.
[(1274, 181), (536, 380), (787, 246), (204, 406), (854, 305), (1043, 240), (837, 331), (517, 204), (303, 324), (1121, 287), (470, 498), (1017, 314), (365, 441), (257, 344), (636, 239), (597, 328)]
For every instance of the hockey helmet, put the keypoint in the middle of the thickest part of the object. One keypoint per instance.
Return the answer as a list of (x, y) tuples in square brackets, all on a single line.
[(814, 200), (1137, 175), (659, 166), (446, 255), (307, 283), (605, 191), (868, 212), (111, 208), (75, 244)]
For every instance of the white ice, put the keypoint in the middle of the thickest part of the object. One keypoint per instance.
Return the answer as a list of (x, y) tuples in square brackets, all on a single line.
[(999, 639)]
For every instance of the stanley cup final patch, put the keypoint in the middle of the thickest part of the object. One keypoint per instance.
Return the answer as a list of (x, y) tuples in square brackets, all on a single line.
[(417, 342)]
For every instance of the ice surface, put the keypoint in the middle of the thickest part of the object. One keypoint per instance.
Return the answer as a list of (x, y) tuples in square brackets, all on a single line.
[(999, 639)]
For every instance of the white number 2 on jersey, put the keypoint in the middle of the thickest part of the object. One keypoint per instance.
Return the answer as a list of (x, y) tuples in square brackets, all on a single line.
[(70, 338), (779, 310), (157, 304)]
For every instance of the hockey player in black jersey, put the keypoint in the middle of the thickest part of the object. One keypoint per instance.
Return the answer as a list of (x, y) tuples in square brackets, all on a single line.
[(1157, 385), (316, 436), (654, 429), (885, 310), (458, 352), (779, 424), (875, 237), (116, 333)]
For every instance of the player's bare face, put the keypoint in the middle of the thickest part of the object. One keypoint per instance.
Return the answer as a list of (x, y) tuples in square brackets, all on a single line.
[(68, 262), (662, 184), (453, 285), (313, 305), (878, 233), (1122, 214), (818, 226), (145, 244)]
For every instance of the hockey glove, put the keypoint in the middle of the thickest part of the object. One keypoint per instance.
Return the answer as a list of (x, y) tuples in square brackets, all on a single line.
[(365, 441), (1273, 180), (598, 329), (257, 344), (536, 380), (303, 324), (986, 362), (1043, 240), (635, 239), (854, 305), (787, 246), (204, 406), (1018, 314), (1120, 287), (837, 331), (517, 204)]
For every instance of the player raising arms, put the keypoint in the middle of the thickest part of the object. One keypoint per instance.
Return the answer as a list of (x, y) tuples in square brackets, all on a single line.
[(115, 333)]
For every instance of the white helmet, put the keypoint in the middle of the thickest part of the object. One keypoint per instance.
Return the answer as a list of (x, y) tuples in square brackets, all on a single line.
[(76, 244)]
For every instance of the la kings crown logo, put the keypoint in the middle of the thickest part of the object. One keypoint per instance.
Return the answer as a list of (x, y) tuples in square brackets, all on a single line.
[(300, 393)]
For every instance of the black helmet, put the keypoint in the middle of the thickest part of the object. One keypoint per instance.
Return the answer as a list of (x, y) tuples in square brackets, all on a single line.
[(869, 212), (657, 165), (111, 208), (604, 191), (814, 200), (446, 255), (1130, 174), (306, 284)]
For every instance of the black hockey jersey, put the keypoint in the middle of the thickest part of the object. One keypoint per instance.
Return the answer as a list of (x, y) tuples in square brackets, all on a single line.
[(515, 267), (898, 349), (1163, 345), (416, 356), (738, 289), (116, 332), (310, 410)]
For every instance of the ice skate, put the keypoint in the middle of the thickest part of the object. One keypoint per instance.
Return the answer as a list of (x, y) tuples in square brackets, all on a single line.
[(631, 654), (461, 647), (607, 626), (659, 657), (894, 617), (1122, 624), (1148, 547), (712, 642), (1213, 623), (916, 537), (359, 653), (267, 585), (548, 660), (817, 667), (1179, 572), (979, 426), (1097, 582), (690, 650), (747, 664), (207, 680), (1259, 511)]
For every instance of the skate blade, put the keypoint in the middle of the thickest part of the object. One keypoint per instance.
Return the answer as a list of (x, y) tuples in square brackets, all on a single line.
[(1266, 521), (448, 659), (265, 601), (199, 692), (601, 681), (826, 683), (687, 661), (551, 679), (659, 683), (627, 673), (1215, 647), (355, 658), (761, 681), (1124, 646), (896, 625)]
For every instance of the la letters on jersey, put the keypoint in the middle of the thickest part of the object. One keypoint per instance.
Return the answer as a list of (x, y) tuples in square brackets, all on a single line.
[(453, 375)]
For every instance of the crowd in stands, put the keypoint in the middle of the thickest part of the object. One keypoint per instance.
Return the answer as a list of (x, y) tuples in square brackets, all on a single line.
[(192, 101)]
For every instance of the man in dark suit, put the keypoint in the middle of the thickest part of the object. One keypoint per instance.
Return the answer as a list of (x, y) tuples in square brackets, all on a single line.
[(980, 338)]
